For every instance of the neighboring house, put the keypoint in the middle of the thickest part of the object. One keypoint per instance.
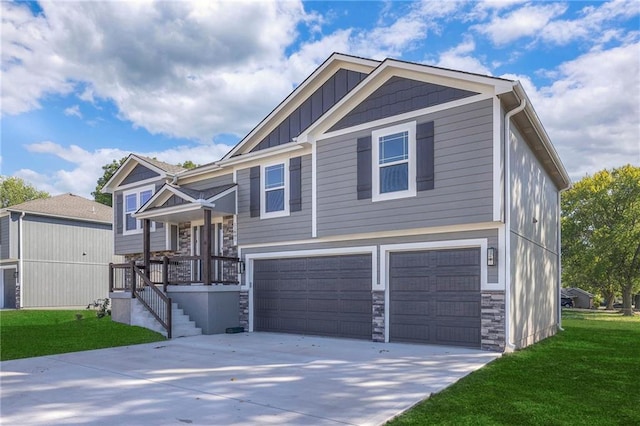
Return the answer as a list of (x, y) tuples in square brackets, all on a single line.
[(55, 252), (385, 201), (581, 298)]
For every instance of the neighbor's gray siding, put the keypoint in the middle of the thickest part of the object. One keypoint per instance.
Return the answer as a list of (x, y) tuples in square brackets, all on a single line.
[(132, 243), (490, 234), (65, 262), (138, 174), (4, 237), (210, 183), (293, 227), (534, 254), (463, 190)]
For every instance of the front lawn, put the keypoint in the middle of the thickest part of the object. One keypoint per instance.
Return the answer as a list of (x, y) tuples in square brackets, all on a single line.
[(28, 333), (589, 374)]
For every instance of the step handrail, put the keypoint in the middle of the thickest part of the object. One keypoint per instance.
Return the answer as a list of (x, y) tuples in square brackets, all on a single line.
[(160, 300)]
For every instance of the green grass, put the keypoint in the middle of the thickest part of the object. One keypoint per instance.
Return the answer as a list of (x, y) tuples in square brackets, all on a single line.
[(587, 375), (29, 333)]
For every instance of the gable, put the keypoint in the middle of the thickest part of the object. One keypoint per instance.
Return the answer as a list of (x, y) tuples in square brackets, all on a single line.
[(139, 173), (397, 96), (320, 101)]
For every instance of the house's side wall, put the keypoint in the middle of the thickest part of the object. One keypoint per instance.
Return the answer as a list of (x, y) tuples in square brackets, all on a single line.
[(463, 179), (132, 243), (65, 262), (296, 226), (4, 237), (534, 246)]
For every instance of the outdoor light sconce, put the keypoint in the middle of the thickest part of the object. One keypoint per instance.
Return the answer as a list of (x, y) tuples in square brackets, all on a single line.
[(491, 256), (241, 267)]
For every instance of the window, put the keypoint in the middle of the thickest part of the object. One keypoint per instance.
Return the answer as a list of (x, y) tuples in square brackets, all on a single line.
[(275, 190), (133, 200), (394, 171)]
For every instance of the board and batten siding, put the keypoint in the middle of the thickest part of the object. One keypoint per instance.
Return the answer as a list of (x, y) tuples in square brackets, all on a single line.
[(296, 226), (490, 234), (66, 262), (463, 190), (534, 252), (132, 243)]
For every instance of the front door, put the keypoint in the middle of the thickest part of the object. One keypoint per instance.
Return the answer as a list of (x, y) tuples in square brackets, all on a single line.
[(197, 233)]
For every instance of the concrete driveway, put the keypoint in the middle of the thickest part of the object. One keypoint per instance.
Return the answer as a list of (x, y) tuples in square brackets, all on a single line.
[(231, 379)]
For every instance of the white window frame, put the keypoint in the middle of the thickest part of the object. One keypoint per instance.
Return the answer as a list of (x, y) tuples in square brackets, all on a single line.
[(137, 192), (263, 191), (410, 128)]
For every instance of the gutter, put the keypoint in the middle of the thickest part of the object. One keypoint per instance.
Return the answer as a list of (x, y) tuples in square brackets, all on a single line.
[(20, 257), (507, 222)]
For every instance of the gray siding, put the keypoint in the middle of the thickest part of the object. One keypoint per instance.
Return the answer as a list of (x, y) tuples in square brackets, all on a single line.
[(4, 237), (139, 173), (132, 243), (397, 96), (210, 183), (317, 104), (534, 255), (463, 179), (226, 204), (65, 262), (490, 234), (293, 227)]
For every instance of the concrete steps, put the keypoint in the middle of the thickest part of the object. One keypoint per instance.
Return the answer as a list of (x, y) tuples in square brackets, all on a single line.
[(182, 325)]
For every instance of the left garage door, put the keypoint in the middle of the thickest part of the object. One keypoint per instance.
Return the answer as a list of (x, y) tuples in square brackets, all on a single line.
[(326, 296)]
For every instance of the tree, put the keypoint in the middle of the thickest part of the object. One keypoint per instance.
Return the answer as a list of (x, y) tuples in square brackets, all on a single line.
[(109, 170), (601, 233), (188, 165), (14, 190)]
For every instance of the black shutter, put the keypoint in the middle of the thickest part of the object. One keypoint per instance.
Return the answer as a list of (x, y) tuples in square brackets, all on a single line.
[(118, 219), (254, 191), (424, 160), (364, 168), (295, 184)]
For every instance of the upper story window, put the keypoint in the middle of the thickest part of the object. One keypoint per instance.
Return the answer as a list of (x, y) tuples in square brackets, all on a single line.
[(275, 190), (394, 170), (133, 200)]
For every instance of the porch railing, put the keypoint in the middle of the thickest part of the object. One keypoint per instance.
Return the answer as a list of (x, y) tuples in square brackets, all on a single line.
[(180, 270)]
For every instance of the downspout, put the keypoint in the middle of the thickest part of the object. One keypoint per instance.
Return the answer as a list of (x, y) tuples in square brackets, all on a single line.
[(20, 256), (507, 222)]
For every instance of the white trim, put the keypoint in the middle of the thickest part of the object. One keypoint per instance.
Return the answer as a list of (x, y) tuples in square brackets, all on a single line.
[(314, 189), (483, 226), (410, 129), (263, 192), (58, 216), (267, 152), (403, 117), (497, 164), (141, 183), (113, 183), (436, 245), (501, 255), (137, 191), (249, 258), (180, 208)]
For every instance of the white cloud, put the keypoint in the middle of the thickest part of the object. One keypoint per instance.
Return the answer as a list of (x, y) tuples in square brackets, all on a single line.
[(73, 111), (591, 110), (86, 166), (461, 58)]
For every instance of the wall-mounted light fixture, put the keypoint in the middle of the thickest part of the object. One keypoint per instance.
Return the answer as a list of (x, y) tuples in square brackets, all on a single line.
[(491, 256), (241, 267), (15, 274)]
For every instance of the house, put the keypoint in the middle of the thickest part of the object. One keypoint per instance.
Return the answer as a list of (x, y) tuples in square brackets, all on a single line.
[(581, 298), (55, 252), (381, 200)]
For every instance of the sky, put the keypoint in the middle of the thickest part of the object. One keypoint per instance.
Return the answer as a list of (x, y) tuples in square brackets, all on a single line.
[(84, 83)]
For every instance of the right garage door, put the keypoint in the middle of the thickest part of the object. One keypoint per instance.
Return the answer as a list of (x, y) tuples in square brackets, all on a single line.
[(435, 297)]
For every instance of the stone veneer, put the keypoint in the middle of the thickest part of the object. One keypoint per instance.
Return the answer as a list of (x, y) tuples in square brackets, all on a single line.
[(244, 309), (492, 321), (377, 330)]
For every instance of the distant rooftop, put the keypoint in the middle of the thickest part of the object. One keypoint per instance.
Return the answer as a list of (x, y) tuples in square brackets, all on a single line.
[(67, 205)]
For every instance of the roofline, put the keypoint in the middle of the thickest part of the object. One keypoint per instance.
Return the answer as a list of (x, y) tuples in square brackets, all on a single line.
[(542, 134), (58, 216), (331, 59), (135, 157)]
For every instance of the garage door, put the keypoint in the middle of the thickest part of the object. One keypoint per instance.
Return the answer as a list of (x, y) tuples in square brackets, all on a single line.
[(326, 296), (435, 297)]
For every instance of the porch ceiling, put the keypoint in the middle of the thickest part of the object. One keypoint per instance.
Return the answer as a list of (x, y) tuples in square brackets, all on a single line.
[(182, 213)]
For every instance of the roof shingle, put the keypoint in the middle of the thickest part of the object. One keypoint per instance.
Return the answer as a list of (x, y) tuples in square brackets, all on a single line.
[(67, 205)]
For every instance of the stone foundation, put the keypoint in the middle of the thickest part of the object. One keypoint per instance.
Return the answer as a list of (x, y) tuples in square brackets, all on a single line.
[(492, 321), (377, 299), (244, 309)]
